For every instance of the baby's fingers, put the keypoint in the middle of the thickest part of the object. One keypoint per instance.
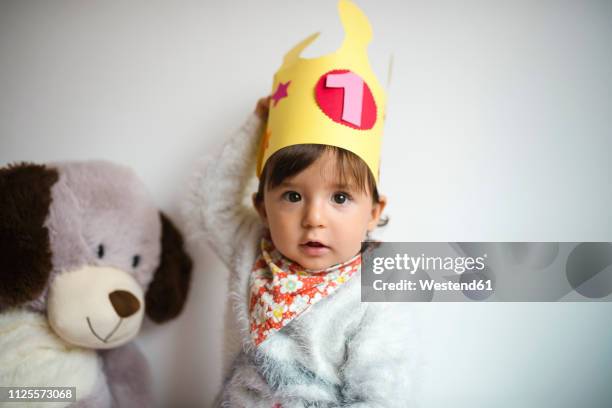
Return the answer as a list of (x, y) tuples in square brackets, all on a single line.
[(262, 108)]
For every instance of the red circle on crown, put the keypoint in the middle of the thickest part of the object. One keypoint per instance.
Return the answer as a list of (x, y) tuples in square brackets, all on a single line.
[(338, 98)]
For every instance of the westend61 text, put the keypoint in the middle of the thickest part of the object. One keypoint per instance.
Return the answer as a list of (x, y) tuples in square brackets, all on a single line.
[(480, 285)]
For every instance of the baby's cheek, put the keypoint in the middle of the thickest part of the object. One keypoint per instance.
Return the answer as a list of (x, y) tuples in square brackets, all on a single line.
[(350, 244), (356, 229)]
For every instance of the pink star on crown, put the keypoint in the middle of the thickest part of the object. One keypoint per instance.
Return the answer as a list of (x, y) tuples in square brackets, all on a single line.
[(281, 92)]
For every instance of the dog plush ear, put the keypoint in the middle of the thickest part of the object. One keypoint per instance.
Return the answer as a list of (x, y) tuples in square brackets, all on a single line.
[(167, 292), (25, 251)]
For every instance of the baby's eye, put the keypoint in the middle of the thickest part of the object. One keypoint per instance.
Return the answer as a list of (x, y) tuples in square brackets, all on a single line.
[(292, 196), (341, 198)]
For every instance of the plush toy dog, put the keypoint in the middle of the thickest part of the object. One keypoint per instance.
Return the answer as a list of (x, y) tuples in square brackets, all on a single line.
[(84, 254)]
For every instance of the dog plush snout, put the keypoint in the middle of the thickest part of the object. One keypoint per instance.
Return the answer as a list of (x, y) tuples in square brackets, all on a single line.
[(95, 306), (124, 303)]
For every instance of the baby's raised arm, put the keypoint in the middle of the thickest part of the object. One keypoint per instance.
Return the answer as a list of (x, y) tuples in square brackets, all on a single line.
[(214, 206)]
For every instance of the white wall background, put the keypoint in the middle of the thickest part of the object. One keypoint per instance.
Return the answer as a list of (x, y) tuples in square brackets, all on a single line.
[(499, 128)]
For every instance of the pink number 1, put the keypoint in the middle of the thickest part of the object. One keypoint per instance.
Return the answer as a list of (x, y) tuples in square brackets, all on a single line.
[(353, 95)]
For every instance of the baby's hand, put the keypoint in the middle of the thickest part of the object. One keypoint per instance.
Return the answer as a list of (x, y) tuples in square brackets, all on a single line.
[(262, 108)]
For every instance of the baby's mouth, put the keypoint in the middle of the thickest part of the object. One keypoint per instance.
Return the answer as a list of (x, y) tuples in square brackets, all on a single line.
[(314, 244), (314, 248)]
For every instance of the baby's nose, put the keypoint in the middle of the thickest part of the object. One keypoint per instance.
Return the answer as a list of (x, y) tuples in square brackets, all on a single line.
[(314, 216)]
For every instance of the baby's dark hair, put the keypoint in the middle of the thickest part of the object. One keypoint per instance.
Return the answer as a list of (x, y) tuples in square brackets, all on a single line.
[(291, 160)]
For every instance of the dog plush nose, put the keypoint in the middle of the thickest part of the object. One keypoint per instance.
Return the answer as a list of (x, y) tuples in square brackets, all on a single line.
[(124, 303)]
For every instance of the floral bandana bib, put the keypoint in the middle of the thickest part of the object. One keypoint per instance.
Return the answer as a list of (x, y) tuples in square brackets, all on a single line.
[(280, 289)]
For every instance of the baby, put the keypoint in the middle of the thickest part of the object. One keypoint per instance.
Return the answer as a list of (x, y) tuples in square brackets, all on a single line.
[(315, 205), (294, 257)]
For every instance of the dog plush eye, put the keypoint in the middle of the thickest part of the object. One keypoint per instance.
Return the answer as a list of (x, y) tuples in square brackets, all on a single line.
[(135, 260), (100, 251)]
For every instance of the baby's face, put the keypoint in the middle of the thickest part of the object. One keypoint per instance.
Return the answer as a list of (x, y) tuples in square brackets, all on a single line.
[(312, 207)]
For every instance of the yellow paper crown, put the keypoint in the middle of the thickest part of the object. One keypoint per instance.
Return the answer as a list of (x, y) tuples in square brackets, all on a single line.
[(334, 100)]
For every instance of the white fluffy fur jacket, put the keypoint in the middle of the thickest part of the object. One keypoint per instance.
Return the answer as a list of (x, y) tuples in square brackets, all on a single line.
[(339, 353)]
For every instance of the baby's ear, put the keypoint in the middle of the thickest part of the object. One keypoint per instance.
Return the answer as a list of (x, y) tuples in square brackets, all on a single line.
[(260, 208), (25, 251), (168, 290), (377, 210)]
